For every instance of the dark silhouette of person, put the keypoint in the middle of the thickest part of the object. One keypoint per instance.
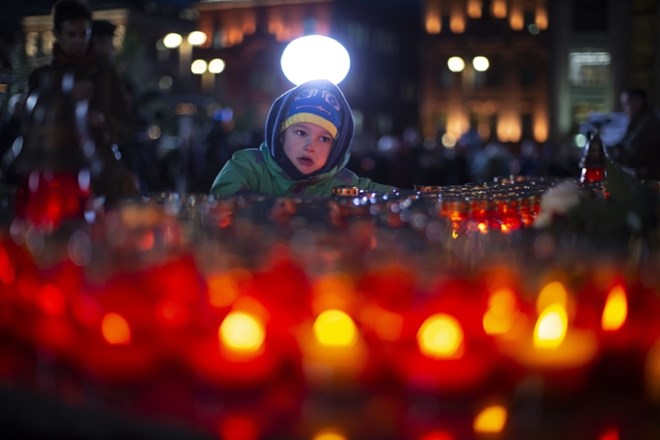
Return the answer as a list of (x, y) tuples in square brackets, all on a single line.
[(639, 150)]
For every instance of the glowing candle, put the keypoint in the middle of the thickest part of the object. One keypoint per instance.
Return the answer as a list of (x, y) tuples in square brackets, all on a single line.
[(239, 354), (558, 351), (112, 353), (333, 351)]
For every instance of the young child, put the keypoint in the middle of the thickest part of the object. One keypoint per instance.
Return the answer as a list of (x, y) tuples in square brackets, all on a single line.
[(308, 138)]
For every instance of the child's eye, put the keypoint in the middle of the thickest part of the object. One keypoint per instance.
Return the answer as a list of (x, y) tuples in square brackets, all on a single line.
[(300, 132), (326, 139)]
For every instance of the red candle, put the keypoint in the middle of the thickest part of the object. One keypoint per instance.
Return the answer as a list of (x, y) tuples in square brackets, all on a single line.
[(46, 199), (241, 353)]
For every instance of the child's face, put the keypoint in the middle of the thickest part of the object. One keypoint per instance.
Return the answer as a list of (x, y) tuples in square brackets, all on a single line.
[(307, 146)]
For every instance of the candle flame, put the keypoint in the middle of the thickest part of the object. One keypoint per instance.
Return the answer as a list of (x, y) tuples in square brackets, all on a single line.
[(441, 336), (335, 328), (490, 420), (115, 329), (616, 309), (498, 319), (329, 434), (242, 333), (550, 329), (552, 293)]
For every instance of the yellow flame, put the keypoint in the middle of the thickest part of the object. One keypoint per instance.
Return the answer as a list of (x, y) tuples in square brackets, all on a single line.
[(498, 319), (551, 327), (490, 420), (616, 309), (242, 333), (329, 434), (335, 328), (551, 294), (115, 329), (441, 336)]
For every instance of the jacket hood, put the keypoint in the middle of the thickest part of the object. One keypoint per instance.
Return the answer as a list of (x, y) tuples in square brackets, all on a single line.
[(278, 114)]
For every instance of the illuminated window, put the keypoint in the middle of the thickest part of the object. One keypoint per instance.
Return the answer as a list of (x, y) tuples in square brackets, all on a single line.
[(589, 69)]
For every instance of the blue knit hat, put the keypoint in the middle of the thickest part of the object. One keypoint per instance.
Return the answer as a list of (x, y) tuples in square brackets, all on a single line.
[(317, 106)]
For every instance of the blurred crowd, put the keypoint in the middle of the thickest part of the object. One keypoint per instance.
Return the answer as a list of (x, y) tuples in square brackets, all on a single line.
[(173, 150)]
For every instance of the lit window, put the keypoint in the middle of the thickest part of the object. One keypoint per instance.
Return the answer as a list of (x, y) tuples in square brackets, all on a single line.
[(589, 69)]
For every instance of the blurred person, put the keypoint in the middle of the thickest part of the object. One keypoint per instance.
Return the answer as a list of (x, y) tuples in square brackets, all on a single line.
[(103, 34), (308, 135), (639, 150), (493, 160), (96, 81)]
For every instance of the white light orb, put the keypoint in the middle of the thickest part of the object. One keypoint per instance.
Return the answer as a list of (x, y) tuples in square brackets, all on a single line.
[(456, 64), (198, 67), (480, 64), (216, 65), (172, 40), (315, 57), (196, 38)]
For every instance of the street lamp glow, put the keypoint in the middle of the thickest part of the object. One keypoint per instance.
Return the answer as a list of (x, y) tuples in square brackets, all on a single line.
[(196, 38), (172, 40), (480, 64), (216, 65), (198, 67), (456, 64), (315, 57)]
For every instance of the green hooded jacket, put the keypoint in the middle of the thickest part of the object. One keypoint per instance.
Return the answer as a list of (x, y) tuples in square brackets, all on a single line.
[(268, 171), (254, 170)]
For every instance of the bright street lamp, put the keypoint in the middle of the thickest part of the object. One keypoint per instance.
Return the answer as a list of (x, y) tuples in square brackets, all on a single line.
[(208, 70), (314, 57), (185, 45)]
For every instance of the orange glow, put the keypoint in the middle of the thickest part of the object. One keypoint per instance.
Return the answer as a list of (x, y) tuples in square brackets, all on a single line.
[(242, 333), (432, 21), (248, 22), (474, 8), (516, 18), (540, 126), (441, 337), (457, 19), (490, 420), (552, 293), (541, 16), (457, 122), (51, 300), (223, 287), (387, 325), (498, 8), (551, 327), (616, 309), (332, 291), (498, 319), (115, 329), (509, 127), (329, 434)]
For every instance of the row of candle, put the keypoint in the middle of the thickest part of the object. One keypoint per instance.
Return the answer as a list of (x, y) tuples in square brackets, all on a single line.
[(240, 294)]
